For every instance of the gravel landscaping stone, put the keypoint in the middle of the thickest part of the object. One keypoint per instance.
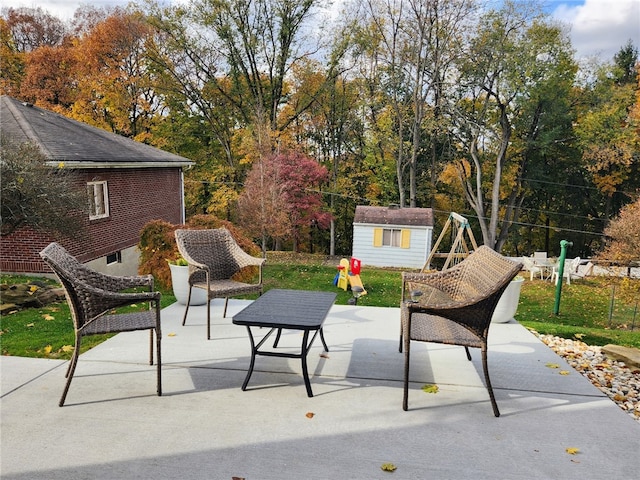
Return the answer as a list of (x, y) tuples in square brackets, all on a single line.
[(618, 381)]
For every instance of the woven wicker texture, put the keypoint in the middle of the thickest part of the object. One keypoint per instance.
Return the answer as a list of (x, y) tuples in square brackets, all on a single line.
[(92, 296), (456, 305), (214, 258)]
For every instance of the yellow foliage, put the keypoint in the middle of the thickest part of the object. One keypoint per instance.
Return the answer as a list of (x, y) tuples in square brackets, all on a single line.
[(388, 467)]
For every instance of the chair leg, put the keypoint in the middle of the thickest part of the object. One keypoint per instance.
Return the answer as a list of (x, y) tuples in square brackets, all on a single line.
[(150, 347), (466, 349), (186, 309), (159, 360), (407, 346), (485, 367), (71, 370), (226, 301), (208, 318)]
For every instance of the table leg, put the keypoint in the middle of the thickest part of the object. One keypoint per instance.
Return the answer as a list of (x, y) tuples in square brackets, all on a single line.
[(324, 344), (275, 344), (303, 356), (253, 359), (254, 352)]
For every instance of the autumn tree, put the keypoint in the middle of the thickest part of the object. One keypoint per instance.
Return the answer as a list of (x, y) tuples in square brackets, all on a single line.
[(515, 62), (11, 62), (281, 198), (49, 79), (623, 234), (33, 27), (607, 131), (262, 206), (116, 88), (37, 195)]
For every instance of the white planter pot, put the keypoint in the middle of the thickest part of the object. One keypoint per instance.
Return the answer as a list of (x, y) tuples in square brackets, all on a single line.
[(180, 282), (508, 303)]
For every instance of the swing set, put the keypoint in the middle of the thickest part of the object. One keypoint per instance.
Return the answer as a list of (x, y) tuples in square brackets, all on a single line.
[(459, 246)]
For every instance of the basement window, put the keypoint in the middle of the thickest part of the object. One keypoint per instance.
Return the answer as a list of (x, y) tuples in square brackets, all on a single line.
[(98, 200), (115, 257)]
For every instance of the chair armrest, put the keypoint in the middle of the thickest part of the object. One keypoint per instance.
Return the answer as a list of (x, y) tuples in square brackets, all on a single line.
[(116, 283), (432, 280), (97, 301)]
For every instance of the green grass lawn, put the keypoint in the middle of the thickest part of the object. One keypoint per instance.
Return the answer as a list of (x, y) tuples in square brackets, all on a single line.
[(584, 309)]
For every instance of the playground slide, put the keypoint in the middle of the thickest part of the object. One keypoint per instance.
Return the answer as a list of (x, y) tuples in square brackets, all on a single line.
[(355, 281)]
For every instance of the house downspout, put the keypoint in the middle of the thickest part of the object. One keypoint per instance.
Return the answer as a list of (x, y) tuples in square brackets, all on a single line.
[(182, 206)]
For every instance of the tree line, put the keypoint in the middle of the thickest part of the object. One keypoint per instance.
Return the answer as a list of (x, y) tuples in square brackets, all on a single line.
[(293, 116)]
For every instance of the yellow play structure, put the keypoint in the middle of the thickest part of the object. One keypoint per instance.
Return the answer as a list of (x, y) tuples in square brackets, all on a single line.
[(349, 275)]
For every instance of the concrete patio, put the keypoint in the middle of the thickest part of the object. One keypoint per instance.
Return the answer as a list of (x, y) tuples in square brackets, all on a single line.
[(205, 427)]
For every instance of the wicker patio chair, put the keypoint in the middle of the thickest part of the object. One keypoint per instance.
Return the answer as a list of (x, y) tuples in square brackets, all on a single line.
[(214, 258), (455, 307), (92, 296)]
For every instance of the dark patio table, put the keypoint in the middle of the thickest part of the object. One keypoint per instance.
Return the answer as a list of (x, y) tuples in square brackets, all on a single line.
[(290, 309)]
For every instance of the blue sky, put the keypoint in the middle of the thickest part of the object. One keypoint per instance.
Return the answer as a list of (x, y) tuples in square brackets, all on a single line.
[(597, 27)]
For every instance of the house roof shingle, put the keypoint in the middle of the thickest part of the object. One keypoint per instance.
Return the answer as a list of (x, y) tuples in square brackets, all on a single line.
[(417, 217), (77, 144)]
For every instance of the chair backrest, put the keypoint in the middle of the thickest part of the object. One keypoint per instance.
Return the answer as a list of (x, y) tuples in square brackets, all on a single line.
[(575, 263), (69, 271), (540, 255), (485, 272), (215, 248), (589, 269), (528, 263)]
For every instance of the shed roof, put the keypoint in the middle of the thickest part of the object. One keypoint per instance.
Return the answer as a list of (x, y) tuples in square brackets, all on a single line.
[(417, 217), (77, 144)]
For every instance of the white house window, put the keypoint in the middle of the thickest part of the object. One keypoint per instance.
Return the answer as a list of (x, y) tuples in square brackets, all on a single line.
[(391, 237), (98, 200)]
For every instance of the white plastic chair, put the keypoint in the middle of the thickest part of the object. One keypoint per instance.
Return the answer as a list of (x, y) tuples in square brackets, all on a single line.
[(570, 270), (530, 266)]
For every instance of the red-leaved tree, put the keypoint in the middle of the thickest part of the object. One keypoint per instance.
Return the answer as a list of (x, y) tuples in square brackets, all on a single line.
[(281, 197)]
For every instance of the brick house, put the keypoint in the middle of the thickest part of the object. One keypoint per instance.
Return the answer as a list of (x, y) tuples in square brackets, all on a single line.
[(128, 184)]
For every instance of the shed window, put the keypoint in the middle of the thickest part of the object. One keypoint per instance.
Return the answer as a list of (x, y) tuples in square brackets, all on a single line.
[(391, 237), (98, 200)]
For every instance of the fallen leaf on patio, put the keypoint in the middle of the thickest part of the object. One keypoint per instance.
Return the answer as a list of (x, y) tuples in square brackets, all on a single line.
[(171, 334), (324, 355), (552, 365), (237, 478), (563, 372), (388, 467), (67, 348), (309, 414), (430, 388), (47, 349), (33, 288), (572, 450), (48, 317)]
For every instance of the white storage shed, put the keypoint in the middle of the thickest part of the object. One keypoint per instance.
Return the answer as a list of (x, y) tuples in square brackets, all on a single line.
[(392, 236)]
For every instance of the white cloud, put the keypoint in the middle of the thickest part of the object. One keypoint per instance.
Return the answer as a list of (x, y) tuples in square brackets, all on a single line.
[(600, 27)]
